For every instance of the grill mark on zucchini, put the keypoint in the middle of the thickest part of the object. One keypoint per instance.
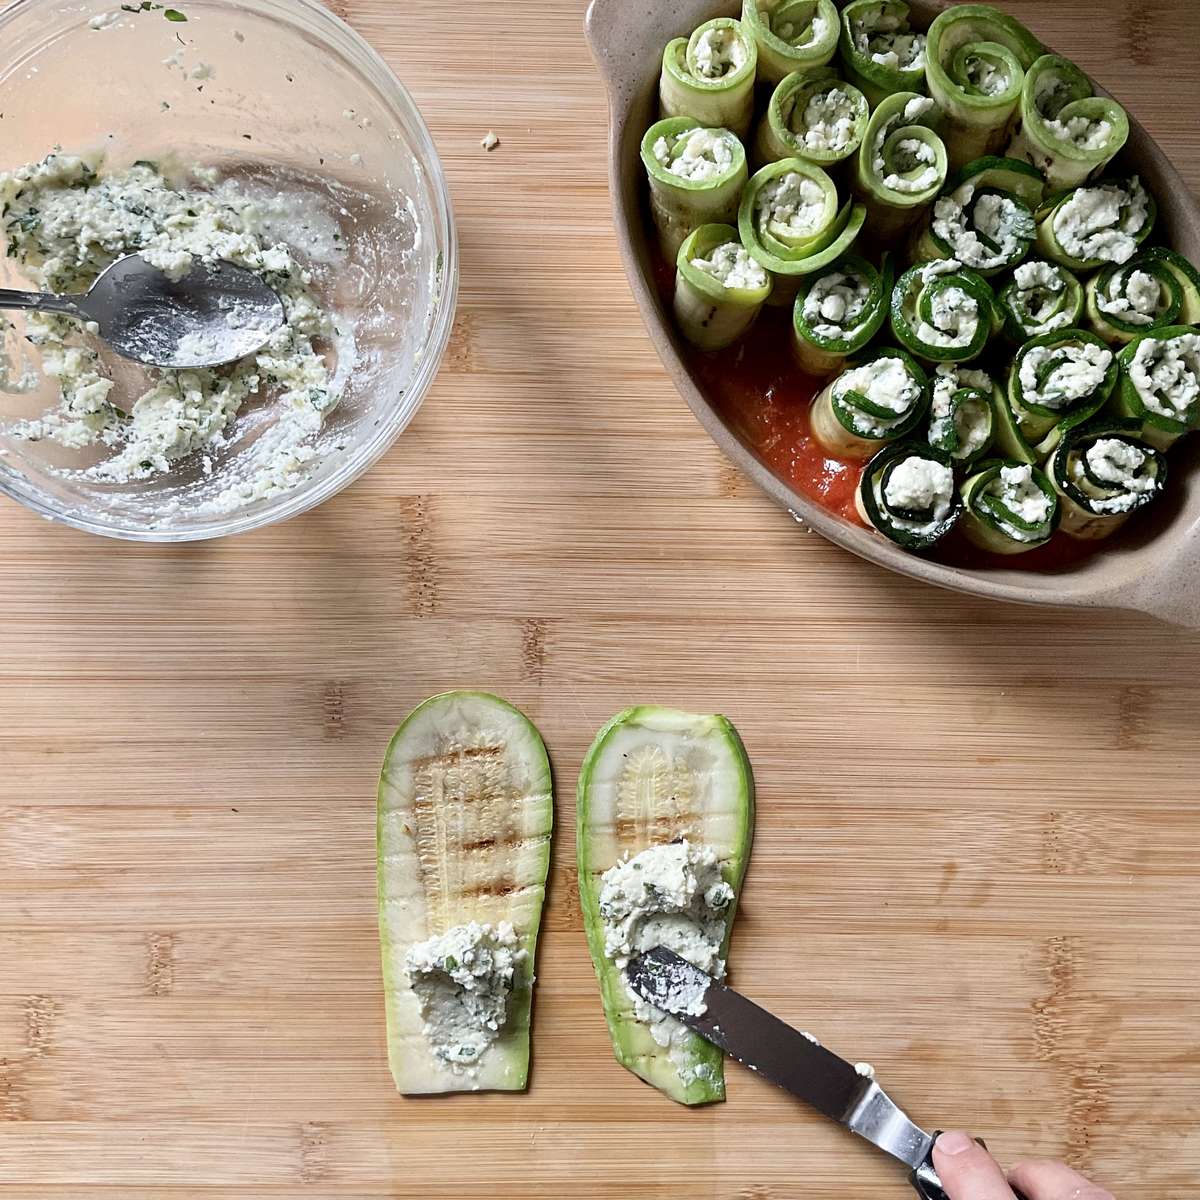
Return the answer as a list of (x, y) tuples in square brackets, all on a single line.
[(656, 795)]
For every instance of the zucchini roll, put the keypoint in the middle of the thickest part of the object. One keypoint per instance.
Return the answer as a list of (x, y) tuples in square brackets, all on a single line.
[(962, 413), (696, 177), (719, 288), (977, 59), (1066, 132), (1135, 297), (1103, 473), (984, 218), (791, 35), (1160, 383), (901, 164), (943, 311), (790, 222), (1040, 298), (1058, 377), (1009, 507), (881, 53), (907, 493), (710, 76), (838, 311), (1098, 224), (879, 400), (814, 116), (1186, 276)]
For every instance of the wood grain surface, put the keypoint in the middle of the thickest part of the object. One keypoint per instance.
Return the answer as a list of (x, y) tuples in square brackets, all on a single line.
[(978, 834)]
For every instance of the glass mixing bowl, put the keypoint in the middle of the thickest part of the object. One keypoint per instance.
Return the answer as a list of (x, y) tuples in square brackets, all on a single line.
[(289, 101)]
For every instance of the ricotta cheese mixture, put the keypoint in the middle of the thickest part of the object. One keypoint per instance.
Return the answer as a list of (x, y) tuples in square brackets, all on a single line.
[(730, 265), (827, 124), (1038, 295), (792, 205), (1117, 466), (836, 305), (799, 34), (985, 76), (1132, 295), (953, 313), (1058, 376), (718, 53), (1018, 491), (886, 383), (921, 485), (698, 155), (885, 38), (1166, 374), (985, 235), (65, 219), (910, 153), (969, 419), (1085, 133), (462, 980), (1102, 222)]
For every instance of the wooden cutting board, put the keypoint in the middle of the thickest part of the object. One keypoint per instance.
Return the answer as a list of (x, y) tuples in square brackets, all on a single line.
[(978, 829)]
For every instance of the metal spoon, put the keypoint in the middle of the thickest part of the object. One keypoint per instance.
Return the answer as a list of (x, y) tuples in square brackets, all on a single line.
[(215, 314)]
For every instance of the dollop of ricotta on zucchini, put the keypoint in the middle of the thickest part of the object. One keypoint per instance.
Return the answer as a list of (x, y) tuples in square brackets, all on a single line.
[(1057, 376), (1102, 222), (730, 265), (885, 37), (699, 155), (719, 52), (885, 382), (836, 304), (1166, 373), (792, 203)]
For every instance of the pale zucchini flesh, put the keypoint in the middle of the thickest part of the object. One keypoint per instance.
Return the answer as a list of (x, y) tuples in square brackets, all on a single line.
[(464, 819)]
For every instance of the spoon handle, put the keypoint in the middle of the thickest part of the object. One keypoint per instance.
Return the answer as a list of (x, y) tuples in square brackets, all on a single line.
[(40, 301)]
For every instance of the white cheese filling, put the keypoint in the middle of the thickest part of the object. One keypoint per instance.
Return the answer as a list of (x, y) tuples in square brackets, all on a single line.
[(698, 155), (1116, 465), (885, 38), (911, 153), (1132, 295), (953, 319), (828, 122), (1079, 369), (1084, 133), (791, 205), (987, 77), (996, 217), (1019, 492), (921, 484), (885, 382), (1038, 294), (836, 305), (970, 420), (1166, 374), (718, 53), (796, 33), (732, 267), (462, 980), (1102, 222)]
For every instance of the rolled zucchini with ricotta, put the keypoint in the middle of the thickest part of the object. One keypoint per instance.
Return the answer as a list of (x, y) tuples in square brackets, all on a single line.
[(1186, 276), (1136, 297), (1066, 132), (879, 400), (1056, 381), (696, 178), (1040, 298), (790, 222), (719, 288), (815, 116), (977, 58), (985, 217), (1009, 507), (838, 311), (791, 35), (1160, 383), (1103, 473), (881, 52), (1097, 224), (665, 825), (943, 312), (907, 494), (901, 164), (710, 76), (464, 819), (962, 413)]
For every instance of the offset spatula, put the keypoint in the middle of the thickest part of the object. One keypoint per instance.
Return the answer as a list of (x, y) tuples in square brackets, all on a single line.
[(788, 1058)]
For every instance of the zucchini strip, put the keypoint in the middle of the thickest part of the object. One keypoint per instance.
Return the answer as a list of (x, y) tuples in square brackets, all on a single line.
[(1066, 131), (1040, 298), (881, 53), (791, 35), (879, 400), (1186, 276), (943, 311), (719, 288), (962, 412), (1136, 297), (901, 164), (1160, 383), (907, 494), (977, 59), (985, 217), (1101, 223), (1103, 473), (696, 178), (838, 311), (814, 116), (1009, 507), (710, 76)]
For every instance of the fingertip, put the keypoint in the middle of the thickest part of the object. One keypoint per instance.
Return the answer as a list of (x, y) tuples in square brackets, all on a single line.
[(952, 1142)]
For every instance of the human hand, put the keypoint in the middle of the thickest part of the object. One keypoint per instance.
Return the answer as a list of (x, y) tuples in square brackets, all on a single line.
[(969, 1172)]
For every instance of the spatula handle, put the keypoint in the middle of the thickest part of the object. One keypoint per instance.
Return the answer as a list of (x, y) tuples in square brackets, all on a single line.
[(928, 1186)]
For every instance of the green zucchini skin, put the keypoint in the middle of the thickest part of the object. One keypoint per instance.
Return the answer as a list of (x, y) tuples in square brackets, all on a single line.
[(871, 501), (1159, 430), (710, 314), (984, 530), (875, 80), (1115, 329), (779, 57), (821, 355), (726, 103), (596, 850), (1048, 243)]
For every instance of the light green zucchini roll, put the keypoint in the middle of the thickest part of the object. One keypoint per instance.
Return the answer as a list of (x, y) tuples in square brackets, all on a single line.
[(984, 218), (1009, 507), (815, 116), (962, 413), (901, 164), (838, 311), (791, 35), (881, 53), (1186, 276), (1056, 381), (907, 494), (1103, 473), (977, 59), (710, 76), (1160, 383), (790, 222), (943, 312), (1040, 298), (1100, 223), (880, 400), (719, 288), (696, 178), (1135, 297), (1065, 131)]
